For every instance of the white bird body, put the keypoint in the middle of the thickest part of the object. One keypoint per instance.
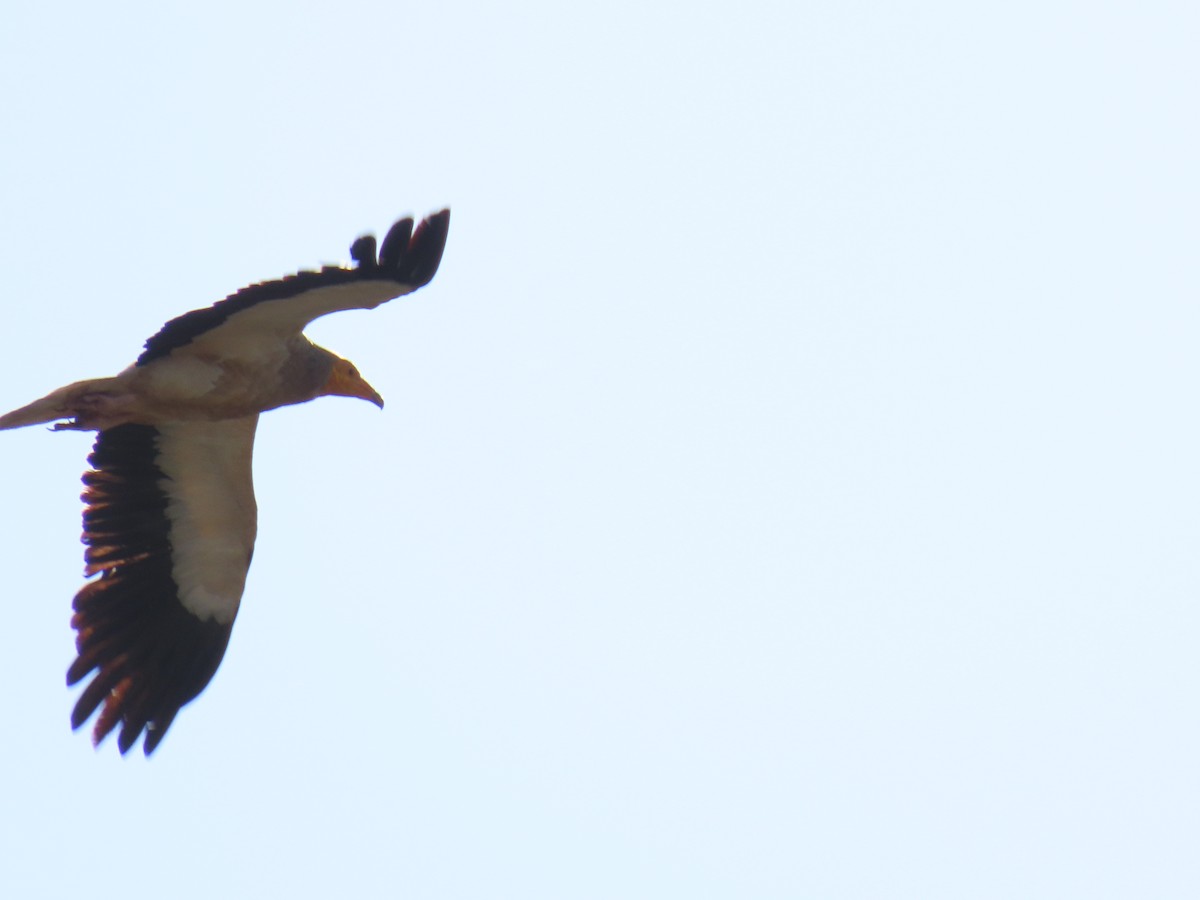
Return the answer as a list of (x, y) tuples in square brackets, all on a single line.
[(171, 517)]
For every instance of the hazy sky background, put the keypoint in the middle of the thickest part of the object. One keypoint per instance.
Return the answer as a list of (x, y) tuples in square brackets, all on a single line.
[(788, 487)]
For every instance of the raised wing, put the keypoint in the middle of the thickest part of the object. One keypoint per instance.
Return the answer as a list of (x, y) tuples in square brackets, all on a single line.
[(169, 527), (282, 308)]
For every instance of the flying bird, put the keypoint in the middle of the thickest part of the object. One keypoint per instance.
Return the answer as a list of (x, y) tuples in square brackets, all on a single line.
[(170, 517)]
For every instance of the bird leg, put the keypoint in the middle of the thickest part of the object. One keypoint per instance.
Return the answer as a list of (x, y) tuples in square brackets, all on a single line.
[(94, 412), (96, 404)]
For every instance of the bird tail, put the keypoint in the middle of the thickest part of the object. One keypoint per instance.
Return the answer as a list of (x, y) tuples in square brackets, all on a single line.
[(74, 402)]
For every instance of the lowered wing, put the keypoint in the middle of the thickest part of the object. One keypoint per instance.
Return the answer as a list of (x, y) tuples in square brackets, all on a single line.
[(169, 527)]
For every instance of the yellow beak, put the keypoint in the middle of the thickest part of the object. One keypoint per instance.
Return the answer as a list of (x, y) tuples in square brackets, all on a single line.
[(344, 384)]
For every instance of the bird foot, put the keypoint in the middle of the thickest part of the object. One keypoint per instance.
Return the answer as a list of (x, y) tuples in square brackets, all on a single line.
[(93, 412)]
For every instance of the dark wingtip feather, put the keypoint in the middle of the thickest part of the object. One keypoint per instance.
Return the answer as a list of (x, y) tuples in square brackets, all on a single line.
[(411, 256), (428, 245), (155, 732), (110, 713), (362, 251), (395, 243)]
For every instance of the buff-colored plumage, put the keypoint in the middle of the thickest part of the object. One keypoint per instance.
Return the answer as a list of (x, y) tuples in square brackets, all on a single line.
[(170, 517)]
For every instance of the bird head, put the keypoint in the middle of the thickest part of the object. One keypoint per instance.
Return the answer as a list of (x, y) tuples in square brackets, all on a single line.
[(345, 381)]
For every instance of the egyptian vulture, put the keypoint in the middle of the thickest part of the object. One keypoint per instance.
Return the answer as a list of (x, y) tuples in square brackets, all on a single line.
[(170, 517)]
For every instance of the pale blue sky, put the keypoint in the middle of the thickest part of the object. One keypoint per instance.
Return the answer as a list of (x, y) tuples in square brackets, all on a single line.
[(788, 487)]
